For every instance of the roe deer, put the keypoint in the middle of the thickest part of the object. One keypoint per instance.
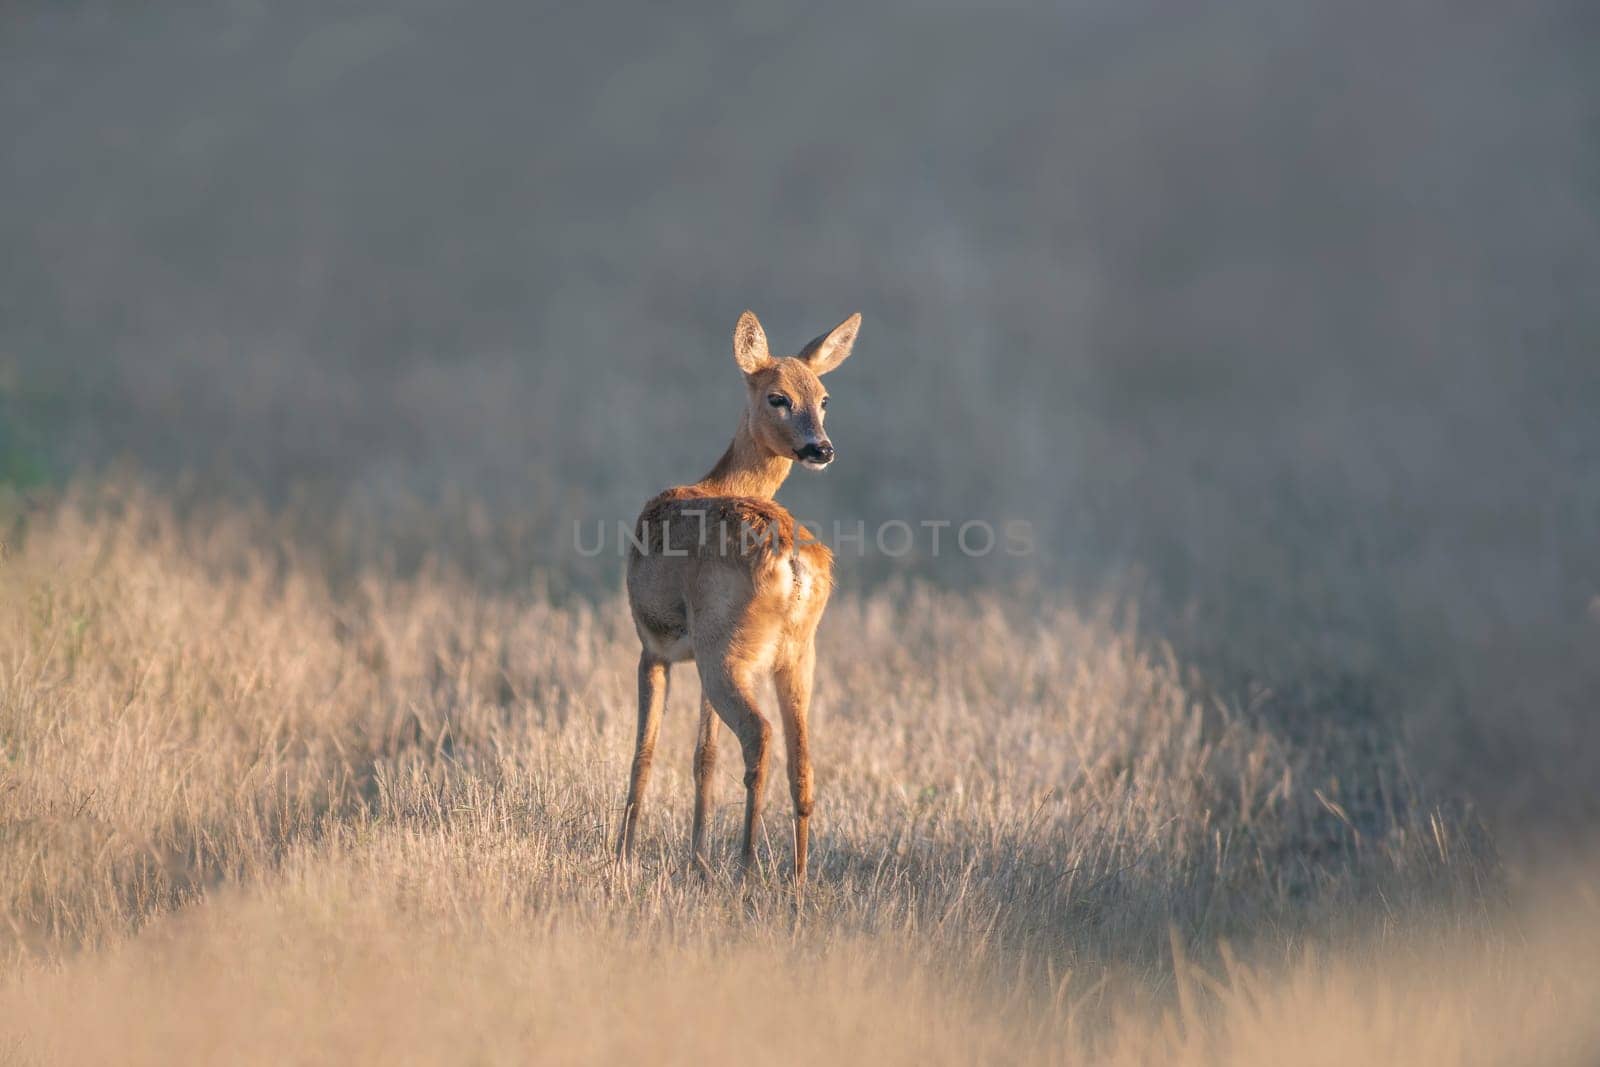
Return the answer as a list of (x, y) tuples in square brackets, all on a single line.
[(721, 574)]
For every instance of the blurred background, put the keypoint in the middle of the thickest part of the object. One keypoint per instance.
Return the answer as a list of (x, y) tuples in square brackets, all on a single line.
[(1277, 320)]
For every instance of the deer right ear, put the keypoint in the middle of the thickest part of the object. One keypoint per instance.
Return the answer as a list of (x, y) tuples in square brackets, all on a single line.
[(750, 344)]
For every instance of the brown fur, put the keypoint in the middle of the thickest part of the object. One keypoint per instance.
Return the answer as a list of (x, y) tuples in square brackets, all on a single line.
[(721, 574)]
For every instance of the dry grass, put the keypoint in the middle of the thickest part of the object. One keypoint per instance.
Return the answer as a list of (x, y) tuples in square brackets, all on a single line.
[(246, 817)]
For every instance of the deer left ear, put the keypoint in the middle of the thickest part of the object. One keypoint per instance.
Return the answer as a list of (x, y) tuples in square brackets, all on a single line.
[(833, 347)]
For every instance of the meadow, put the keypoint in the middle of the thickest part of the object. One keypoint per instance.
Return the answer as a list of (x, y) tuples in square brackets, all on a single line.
[(254, 816), (322, 326)]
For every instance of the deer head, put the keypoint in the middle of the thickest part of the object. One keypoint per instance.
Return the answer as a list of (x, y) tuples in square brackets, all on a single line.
[(787, 403)]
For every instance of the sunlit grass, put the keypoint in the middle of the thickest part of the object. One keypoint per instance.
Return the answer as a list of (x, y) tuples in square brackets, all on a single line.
[(247, 817)]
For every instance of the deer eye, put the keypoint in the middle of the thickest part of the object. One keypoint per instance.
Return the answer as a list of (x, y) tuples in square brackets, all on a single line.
[(778, 400), (824, 403)]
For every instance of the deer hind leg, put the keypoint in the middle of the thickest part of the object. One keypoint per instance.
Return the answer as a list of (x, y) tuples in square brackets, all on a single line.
[(727, 685), (705, 766), (793, 680), (653, 678)]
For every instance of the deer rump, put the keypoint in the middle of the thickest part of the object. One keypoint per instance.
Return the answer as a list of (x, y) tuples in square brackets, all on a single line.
[(754, 542)]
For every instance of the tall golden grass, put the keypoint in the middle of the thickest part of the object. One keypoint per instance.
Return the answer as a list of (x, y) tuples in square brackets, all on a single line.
[(248, 815)]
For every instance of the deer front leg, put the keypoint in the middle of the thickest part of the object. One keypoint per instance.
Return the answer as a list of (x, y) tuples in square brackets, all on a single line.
[(794, 700), (705, 767)]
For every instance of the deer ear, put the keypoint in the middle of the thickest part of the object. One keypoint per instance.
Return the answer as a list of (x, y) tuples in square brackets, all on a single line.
[(750, 344), (833, 347)]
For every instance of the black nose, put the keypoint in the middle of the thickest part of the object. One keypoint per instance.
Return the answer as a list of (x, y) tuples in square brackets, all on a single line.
[(817, 453)]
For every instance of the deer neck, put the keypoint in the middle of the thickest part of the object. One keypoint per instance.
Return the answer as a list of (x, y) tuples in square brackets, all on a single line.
[(746, 469)]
